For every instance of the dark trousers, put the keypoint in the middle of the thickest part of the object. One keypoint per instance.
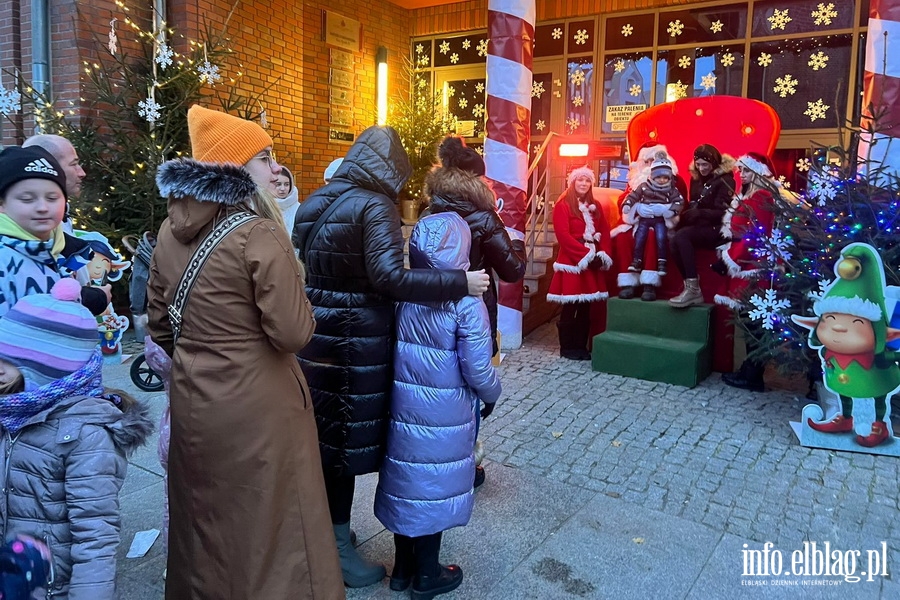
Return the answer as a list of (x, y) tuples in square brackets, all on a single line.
[(340, 497), (658, 224), (419, 555), (688, 239)]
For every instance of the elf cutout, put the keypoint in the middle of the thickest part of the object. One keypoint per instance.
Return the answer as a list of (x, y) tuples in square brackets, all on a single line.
[(850, 331)]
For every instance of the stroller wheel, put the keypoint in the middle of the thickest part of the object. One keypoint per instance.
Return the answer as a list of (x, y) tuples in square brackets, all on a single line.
[(144, 377)]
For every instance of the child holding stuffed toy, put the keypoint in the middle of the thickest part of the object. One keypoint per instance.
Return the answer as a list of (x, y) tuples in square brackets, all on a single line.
[(442, 369), (63, 441), (655, 204)]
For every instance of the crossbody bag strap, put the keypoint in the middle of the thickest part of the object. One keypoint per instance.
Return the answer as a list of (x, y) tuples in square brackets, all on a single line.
[(321, 221), (195, 265)]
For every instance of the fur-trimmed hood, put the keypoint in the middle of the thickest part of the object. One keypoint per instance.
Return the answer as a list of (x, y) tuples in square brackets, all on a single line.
[(452, 189), (197, 191), (726, 166)]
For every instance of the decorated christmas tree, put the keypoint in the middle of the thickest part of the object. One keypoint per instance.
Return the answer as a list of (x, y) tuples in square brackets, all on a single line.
[(133, 117), (847, 199)]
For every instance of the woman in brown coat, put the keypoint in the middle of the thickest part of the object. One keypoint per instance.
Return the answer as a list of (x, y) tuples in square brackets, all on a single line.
[(248, 513)]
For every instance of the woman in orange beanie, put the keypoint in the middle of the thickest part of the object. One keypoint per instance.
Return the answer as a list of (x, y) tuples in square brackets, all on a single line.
[(246, 495)]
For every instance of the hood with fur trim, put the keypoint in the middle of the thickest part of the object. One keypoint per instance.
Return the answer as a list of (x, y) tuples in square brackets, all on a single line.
[(197, 191), (452, 189), (726, 166)]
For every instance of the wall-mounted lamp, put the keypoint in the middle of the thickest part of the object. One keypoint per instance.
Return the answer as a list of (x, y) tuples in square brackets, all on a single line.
[(381, 84)]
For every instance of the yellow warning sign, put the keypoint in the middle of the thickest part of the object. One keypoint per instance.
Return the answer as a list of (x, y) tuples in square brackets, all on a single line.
[(620, 115)]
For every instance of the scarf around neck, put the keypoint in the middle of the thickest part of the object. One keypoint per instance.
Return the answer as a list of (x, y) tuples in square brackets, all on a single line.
[(10, 228), (17, 409)]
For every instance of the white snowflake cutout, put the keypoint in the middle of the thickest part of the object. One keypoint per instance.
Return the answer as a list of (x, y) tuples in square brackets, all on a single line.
[(209, 73), (818, 294), (149, 110), (684, 62), (635, 90), (164, 55), (816, 110), (444, 48), (680, 89), (420, 48), (716, 26), (577, 77), (776, 247), (764, 60), (556, 33), (615, 173), (819, 60), (540, 125), (767, 309), (10, 101), (675, 28), (627, 29), (824, 14), (785, 85), (620, 65), (779, 19), (708, 82), (466, 44), (577, 101), (803, 164), (581, 37), (482, 47), (463, 103), (573, 124), (727, 59), (478, 110), (479, 87), (454, 58), (537, 89)]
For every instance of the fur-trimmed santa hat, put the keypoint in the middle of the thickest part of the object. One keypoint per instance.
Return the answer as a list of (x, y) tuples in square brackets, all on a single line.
[(584, 171), (758, 163)]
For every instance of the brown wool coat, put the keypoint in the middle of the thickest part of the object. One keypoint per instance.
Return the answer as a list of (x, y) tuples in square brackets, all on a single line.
[(249, 515)]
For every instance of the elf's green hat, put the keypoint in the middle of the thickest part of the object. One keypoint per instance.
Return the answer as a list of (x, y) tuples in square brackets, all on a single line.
[(858, 289)]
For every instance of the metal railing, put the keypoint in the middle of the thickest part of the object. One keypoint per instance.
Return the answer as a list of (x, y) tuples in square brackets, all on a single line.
[(538, 205)]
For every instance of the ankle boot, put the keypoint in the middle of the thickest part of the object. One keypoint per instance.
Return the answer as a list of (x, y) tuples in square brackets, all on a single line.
[(404, 563), (636, 266), (357, 571), (426, 588), (749, 377), (661, 267), (690, 296), (626, 292), (649, 294)]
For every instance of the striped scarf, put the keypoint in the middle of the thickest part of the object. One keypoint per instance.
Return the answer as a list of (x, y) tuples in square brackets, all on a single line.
[(17, 409)]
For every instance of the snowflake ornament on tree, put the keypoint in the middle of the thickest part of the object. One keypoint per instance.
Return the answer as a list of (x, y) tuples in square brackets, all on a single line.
[(779, 19), (164, 55), (821, 187), (817, 61), (684, 62), (817, 295), (768, 308), (775, 248), (209, 73), (149, 110), (581, 37), (824, 14), (785, 85), (816, 110), (113, 44), (627, 29), (10, 101), (537, 89), (675, 28), (557, 33)]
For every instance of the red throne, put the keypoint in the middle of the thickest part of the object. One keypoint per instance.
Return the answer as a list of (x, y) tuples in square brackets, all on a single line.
[(733, 125)]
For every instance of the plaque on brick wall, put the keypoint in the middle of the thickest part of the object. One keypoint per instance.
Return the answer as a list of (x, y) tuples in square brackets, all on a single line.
[(340, 116), (341, 135), (341, 32), (341, 79), (341, 59)]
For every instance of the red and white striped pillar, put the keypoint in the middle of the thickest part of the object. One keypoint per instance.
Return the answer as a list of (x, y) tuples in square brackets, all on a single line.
[(509, 76), (881, 87)]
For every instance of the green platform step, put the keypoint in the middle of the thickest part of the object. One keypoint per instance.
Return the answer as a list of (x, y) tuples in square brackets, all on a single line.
[(653, 341)]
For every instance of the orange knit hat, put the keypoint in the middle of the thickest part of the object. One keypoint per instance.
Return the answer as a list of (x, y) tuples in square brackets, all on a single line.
[(218, 137)]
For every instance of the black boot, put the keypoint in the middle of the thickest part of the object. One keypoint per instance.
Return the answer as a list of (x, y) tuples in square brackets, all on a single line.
[(649, 294), (748, 377), (432, 578), (626, 292), (571, 344), (404, 563)]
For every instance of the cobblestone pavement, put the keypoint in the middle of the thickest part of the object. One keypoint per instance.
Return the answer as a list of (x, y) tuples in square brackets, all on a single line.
[(698, 472)]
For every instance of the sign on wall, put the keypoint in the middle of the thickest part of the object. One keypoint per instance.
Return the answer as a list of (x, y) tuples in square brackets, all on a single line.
[(620, 115), (341, 32)]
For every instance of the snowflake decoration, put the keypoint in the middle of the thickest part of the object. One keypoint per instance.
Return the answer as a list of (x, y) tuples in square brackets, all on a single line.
[(451, 91), (767, 308), (764, 60), (680, 89), (627, 29), (149, 110), (708, 82), (577, 77), (209, 73), (727, 59), (537, 89), (675, 28), (684, 62), (716, 26), (776, 247), (466, 44), (540, 125), (581, 36), (817, 295), (821, 187), (573, 124), (556, 33), (423, 60), (635, 90), (779, 20), (784, 182), (785, 85), (615, 173), (463, 103), (824, 14), (164, 55), (421, 83), (478, 110), (10, 101), (479, 150), (454, 58), (803, 164), (113, 44), (620, 65), (482, 47), (263, 118), (420, 48), (577, 101), (479, 87), (816, 110), (819, 60), (444, 47)]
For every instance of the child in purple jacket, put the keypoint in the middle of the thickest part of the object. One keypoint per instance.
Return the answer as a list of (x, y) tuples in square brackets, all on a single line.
[(442, 369)]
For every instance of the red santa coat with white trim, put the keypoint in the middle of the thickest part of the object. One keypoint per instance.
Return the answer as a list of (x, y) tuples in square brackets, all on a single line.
[(746, 220), (581, 237)]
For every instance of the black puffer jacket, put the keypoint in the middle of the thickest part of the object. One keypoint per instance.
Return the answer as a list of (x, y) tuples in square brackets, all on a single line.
[(710, 196), (355, 273), (454, 190)]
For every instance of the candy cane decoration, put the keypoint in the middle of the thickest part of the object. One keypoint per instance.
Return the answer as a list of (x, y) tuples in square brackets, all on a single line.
[(509, 77), (881, 87)]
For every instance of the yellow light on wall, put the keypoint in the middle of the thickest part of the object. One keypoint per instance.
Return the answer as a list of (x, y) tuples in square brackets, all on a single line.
[(381, 84)]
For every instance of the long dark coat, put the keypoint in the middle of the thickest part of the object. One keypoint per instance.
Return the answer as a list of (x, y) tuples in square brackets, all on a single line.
[(248, 514), (355, 273)]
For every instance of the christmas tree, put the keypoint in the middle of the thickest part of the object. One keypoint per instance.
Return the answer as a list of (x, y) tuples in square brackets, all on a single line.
[(847, 199), (136, 95)]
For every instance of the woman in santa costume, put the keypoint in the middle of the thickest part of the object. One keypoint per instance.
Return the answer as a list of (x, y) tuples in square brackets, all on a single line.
[(582, 232)]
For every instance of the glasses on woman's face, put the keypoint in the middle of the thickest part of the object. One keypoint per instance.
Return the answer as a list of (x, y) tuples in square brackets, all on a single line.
[(268, 156)]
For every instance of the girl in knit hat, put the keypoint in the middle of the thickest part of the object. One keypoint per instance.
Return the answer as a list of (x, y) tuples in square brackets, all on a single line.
[(244, 468), (34, 250), (582, 231), (63, 441)]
